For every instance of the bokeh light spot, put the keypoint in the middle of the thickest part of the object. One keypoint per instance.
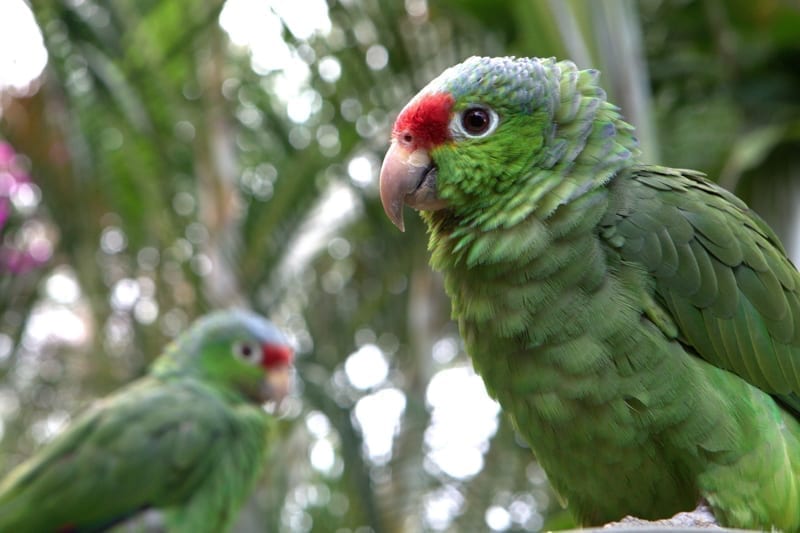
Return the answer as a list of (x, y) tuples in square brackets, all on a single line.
[(367, 367), (22, 52), (329, 69), (362, 170), (378, 415), (497, 518), (377, 57), (112, 240), (62, 287), (463, 419)]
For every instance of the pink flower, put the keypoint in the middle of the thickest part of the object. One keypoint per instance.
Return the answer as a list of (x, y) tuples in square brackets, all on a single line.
[(7, 154)]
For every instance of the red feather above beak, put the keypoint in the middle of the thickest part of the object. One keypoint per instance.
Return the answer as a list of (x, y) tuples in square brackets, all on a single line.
[(276, 355), (408, 175)]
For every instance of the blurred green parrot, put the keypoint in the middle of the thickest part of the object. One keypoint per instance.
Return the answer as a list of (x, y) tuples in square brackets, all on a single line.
[(189, 438), (639, 324)]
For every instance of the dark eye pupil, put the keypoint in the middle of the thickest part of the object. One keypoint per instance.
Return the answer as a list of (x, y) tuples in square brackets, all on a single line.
[(475, 121), (246, 350)]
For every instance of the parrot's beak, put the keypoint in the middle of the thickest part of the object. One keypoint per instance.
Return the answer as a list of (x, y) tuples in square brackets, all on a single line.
[(408, 176), (277, 358), (276, 384)]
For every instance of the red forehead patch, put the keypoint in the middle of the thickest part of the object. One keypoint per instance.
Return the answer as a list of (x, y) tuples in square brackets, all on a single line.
[(425, 123), (276, 355)]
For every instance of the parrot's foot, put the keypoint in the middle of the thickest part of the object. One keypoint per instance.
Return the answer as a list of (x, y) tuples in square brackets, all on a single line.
[(701, 517)]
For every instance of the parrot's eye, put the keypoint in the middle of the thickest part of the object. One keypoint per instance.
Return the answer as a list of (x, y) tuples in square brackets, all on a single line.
[(477, 121), (248, 352)]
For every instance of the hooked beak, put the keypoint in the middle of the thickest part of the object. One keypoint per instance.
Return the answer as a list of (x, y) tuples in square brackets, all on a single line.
[(408, 176), (277, 362), (276, 384)]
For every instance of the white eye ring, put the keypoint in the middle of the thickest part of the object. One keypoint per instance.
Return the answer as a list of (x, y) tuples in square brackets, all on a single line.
[(249, 352), (468, 123)]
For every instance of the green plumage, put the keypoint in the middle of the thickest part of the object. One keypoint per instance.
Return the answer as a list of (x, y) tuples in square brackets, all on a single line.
[(639, 324), (189, 438)]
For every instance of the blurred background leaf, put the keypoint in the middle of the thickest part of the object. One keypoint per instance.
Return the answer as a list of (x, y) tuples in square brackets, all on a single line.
[(177, 156)]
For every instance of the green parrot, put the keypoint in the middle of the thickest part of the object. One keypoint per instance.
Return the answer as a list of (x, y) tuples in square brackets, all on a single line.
[(639, 324), (189, 438)]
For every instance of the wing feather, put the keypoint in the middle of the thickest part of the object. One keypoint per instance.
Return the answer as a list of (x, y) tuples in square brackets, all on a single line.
[(690, 279), (719, 270), (149, 445), (708, 290), (669, 254)]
